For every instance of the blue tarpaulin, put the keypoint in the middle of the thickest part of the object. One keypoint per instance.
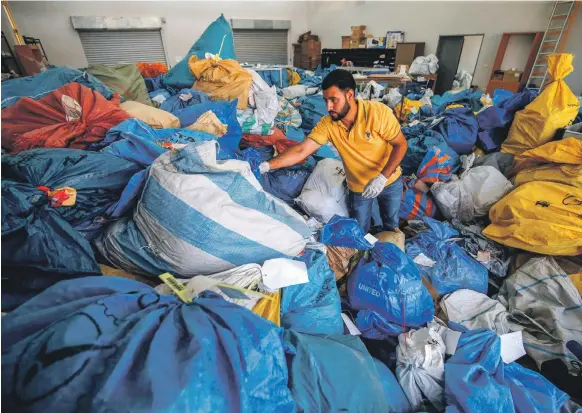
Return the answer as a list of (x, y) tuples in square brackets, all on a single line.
[(336, 373), (477, 380), (225, 111), (42, 242), (454, 269), (312, 109), (183, 99), (274, 77), (314, 307), (37, 86), (114, 344)]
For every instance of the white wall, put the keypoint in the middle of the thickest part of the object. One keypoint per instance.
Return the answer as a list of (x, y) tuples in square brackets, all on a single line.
[(574, 45), (470, 53), (517, 52), (185, 21), (425, 21)]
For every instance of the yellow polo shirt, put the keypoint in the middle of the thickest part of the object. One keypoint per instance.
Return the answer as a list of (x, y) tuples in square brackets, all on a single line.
[(364, 149)]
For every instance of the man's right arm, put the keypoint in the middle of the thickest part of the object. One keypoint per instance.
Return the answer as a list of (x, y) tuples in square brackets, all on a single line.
[(295, 154)]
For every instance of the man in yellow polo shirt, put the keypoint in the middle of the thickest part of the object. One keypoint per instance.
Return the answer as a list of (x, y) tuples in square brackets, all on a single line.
[(368, 138)]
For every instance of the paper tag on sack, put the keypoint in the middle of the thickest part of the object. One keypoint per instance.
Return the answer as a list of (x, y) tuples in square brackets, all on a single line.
[(354, 331), (283, 272), (512, 347), (370, 238), (423, 260), (483, 256), (176, 286)]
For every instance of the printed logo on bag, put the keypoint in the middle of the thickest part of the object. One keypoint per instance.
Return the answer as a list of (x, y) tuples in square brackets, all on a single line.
[(571, 199), (544, 204), (340, 171), (369, 290)]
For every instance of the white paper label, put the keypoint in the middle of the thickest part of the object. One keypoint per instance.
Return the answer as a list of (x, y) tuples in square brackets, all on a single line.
[(370, 238), (512, 347), (354, 331), (423, 260), (283, 272)]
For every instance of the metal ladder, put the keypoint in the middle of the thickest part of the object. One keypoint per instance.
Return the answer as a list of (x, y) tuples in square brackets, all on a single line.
[(550, 42)]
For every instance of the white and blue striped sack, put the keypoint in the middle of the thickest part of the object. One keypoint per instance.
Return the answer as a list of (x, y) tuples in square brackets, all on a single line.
[(198, 215)]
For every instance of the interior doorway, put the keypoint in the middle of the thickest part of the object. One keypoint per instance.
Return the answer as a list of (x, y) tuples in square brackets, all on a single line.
[(456, 53)]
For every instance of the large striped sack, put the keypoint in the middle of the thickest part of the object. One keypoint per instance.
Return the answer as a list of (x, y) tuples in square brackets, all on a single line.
[(199, 215)]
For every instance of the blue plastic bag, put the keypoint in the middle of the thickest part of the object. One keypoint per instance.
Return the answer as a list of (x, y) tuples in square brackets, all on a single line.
[(495, 121), (217, 38), (499, 95), (314, 307), (225, 111), (286, 183), (454, 269), (319, 383), (183, 99), (387, 284), (114, 344), (156, 83), (459, 128), (477, 380), (312, 109), (420, 140), (468, 98), (37, 86), (98, 180), (135, 140), (43, 243), (344, 232), (274, 77)]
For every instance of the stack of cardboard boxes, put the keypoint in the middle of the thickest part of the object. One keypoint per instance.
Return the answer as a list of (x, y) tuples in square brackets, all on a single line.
[(360, 40), (358, 37), (307, 52)]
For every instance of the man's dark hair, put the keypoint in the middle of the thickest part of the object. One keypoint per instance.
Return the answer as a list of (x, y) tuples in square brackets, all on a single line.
[(340, 78)]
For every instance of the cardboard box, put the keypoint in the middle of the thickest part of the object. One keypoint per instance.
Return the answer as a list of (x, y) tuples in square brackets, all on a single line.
[(346, 42), (375, 42), (310, 48), (358, 43), (512, 75), (358, 31), (497, 75)]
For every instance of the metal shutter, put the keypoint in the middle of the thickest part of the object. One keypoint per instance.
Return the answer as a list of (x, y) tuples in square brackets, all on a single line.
[(261, 46), (111, 47)]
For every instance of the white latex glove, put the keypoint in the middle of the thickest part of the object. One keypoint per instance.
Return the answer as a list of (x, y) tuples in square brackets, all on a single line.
[(264, 167), (375, 186)]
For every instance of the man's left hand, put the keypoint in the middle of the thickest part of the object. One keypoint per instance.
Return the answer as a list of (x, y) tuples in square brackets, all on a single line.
[(375, 187)]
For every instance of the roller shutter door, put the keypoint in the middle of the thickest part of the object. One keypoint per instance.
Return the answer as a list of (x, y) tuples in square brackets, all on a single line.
[(261, 46), (111, 47)]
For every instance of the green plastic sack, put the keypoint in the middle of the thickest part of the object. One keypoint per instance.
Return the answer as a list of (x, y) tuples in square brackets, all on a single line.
[(124, 79)]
